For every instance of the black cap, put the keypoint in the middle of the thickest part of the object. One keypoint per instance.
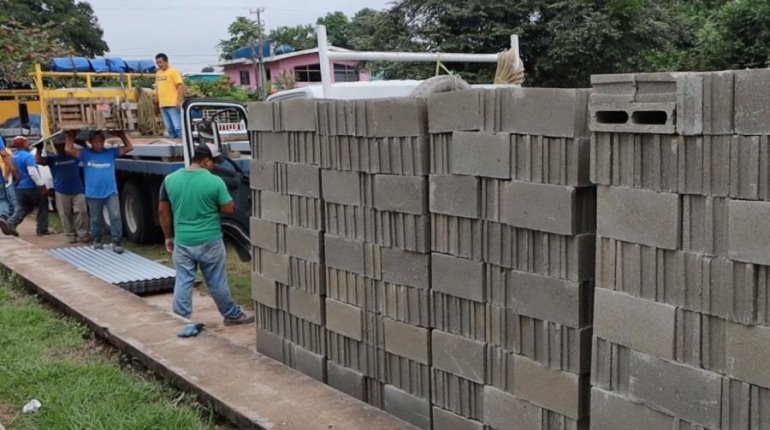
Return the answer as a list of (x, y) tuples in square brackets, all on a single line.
[(203, 151)]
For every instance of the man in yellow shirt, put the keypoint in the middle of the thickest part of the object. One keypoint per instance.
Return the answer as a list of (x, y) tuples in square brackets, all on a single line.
[(169, 87)]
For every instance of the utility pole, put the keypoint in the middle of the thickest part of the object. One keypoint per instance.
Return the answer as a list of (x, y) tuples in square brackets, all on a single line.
[(261, 68)]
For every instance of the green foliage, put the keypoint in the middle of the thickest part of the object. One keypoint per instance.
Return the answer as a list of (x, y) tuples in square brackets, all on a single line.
[(337, 29), (243, 32), (298, 37), (219, 89)]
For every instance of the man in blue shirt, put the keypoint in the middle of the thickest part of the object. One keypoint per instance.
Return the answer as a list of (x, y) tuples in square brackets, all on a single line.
[(6, 201), (30, 189), (70, 197), (101, 186)]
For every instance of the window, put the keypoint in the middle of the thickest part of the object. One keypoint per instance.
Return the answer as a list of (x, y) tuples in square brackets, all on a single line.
[(309, 73), (245, 77), (268, 75), (345, 73)]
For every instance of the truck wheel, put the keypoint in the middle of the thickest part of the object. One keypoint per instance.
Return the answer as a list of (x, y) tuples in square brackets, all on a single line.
[(137, 215)]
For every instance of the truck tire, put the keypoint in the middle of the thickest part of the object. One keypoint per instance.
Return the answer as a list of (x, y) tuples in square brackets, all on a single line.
[(136, 209)]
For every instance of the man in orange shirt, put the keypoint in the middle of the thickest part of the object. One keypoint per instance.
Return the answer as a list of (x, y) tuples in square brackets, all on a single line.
[(169, 88)]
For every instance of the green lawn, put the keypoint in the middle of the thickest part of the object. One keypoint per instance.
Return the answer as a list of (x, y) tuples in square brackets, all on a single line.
[(82, 383)]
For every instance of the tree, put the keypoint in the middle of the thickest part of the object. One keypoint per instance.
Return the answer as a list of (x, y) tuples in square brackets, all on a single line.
[(243, 32), (207, 69), (24, 46), (337, 29), (298, 37)]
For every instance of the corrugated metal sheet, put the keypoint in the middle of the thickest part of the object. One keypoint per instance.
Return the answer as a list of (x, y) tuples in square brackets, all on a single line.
[(129, 271)]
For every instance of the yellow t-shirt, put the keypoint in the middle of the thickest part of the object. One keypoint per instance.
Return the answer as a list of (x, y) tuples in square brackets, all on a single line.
[(165, 85)]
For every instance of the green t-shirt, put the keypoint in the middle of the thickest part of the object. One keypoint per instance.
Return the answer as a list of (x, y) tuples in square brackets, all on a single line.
[(195, 197)]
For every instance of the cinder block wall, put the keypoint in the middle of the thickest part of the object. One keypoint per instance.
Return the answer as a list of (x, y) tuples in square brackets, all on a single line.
[(681, 327)]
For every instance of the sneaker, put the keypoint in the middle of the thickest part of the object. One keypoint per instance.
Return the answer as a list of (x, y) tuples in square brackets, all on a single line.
[(98, 245), (85, 239), (6, 228), (45, 233), (72, 239), (243, 319), (118, 248)]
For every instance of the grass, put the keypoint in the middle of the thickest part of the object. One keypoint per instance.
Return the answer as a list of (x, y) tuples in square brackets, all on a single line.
[(82, 383)]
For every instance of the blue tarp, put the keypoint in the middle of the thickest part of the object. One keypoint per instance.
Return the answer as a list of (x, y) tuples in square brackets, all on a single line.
[(70, 64), (246, 51), (99, 65), (141, 66), (117, 65)]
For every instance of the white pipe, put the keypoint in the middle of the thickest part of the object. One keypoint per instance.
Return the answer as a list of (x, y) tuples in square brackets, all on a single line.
[(515, 47), (324, 60), (410, 57)]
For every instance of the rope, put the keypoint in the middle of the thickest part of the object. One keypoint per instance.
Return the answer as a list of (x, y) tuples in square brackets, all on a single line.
[(147, 121), (510, 69)]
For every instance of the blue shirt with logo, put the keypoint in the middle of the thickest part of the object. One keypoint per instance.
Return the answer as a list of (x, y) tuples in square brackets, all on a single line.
[(99, 170), (66, 174), (22, 160)]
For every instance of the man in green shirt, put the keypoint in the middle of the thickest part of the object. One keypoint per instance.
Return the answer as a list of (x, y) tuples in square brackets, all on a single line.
[(191, 200)]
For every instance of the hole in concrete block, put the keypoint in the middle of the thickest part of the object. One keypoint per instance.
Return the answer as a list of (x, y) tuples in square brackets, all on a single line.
[(653, 117), (611, 117)]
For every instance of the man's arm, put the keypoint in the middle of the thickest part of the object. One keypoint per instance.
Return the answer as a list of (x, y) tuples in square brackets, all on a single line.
[(128, 146), (69, 144), (9, 162), (166, 218), (39, 159), (226, 203), (227, 209), (179, 90)]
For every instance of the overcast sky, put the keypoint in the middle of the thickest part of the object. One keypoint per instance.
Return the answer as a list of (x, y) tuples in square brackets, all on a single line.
[(188, 30)]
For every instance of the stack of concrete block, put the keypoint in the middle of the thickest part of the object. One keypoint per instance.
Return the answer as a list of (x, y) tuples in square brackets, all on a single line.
[(512, 241), (288, 283), (682, 305), (374, 160)]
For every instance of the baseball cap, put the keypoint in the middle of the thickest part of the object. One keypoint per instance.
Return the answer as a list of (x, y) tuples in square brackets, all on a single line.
[(207, 150), (19, 142)]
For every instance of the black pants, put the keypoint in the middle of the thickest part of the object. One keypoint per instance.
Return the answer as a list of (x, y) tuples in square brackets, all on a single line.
[(28, 200)]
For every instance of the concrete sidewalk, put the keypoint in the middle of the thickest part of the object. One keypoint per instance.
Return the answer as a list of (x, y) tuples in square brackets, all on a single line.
[(251, 390)]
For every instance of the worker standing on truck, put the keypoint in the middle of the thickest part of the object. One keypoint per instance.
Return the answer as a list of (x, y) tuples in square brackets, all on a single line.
[(31, 192), (8, 174), (70, 197), (169, 87), (101, 186), (191, 200)]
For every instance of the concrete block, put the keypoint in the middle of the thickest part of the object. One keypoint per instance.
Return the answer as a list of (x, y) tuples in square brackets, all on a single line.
[(499, 360), (458, 277), (262, 175), (747, 351), (752, 112), (344, 319), (407, 194), (545, 111), (655, 87), (346, 380), (304, 243), (407, 304), (481, 154), (264, 234), (409, 408), (344, 253), (611, 412), (270, 345), (298, 115), (260, 116), (705, 103), (456, 110), (274, 207), (639, 216), (748, 240), (309, 363), (458, 355), (394, 117), (342, 187), (637, 323), (407, 341), (503, 411), (747, 175), (306, 306), (274, 266), (274, 146), (555, 161), (459, 316), (682, 391), (548, 299), (562, 392), (457, 394), (406, 268), (455, 195), (264, 290), (646, 118), (303, 180), (619, 86), (443, 419), (541, 207)]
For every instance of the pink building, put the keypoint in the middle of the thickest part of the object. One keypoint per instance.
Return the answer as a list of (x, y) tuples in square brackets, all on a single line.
[(303, 65)]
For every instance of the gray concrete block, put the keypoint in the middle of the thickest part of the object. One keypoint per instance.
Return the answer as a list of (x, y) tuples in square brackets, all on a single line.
[(705, 103), (264, 234), (682, 391), (407, 194), (614, 85), (342, 187), (455, 195), (655, 87), (542, 207), (407, 340), (345, 319), (270, 345), (645, 118), (611, 412), (406, 268), (747, 349), (752, 112), (309, 363), (458, 355), (304, 243), (458, 277), (548, 299), (274, 207), (344, 253), (303, 180), (639, 216), (298, 115), (274, 266), (409, 408), (443, 419), (346, 380), (456, 110), (264, 290), (503, 411), (394, 117), (499, 360), (555, 161), (559, 391), (748, 240), (260, 116), (274, 146), (481, 154), (459, 316), (637, 323), (746, 172), (262, 175), (307, 306), (545, 111)]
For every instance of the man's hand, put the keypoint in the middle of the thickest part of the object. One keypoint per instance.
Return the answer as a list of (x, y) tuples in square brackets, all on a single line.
[(170, 245), (43, 191)]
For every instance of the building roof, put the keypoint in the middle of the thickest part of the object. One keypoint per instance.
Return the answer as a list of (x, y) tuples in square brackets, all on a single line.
[(239, 61)]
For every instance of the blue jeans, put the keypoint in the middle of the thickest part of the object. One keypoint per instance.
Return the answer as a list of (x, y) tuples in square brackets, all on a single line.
[(95, 209), (172, 117), (211, 258), (7, 200), (27, 199)]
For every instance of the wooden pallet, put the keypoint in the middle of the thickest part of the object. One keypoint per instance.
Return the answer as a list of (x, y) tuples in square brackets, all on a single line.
[(93, 114)]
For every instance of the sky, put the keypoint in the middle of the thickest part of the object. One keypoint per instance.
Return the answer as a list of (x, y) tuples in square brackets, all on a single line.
[(189, 30)]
